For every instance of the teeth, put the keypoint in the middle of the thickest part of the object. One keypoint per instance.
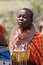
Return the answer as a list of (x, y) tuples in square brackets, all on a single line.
[(21, 22)]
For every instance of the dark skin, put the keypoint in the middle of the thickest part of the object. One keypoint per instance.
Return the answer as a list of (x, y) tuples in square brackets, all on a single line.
[(24, 22), (23, 19)]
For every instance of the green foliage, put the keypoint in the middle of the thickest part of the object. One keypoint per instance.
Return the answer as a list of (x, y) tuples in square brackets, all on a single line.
[(7, 35), (37, 7)]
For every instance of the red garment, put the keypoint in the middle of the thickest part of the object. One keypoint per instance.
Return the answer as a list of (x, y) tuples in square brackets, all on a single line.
[(35, 45), (31, 59), (1, 29)]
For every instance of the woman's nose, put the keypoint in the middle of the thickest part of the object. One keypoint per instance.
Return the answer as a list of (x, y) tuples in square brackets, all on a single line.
[(21, 18)]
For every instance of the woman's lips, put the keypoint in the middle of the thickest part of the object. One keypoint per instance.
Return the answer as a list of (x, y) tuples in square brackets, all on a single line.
[(21, 22)]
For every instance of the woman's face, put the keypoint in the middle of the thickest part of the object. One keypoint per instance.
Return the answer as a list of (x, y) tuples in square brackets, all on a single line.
[(23, 18)]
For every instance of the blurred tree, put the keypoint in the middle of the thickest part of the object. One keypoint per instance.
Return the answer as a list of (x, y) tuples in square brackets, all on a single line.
[(37, 7)]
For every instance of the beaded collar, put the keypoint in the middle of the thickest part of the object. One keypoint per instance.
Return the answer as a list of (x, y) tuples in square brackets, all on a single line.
[(25, 38)]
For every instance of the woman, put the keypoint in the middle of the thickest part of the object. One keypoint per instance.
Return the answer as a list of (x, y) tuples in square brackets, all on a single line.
[(26, 44)]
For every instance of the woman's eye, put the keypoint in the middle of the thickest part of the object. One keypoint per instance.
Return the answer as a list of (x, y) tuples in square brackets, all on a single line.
[(22, 16), (19, 16), (25, 16)]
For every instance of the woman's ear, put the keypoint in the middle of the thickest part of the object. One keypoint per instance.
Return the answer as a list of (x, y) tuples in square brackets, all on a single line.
[(31, 20)]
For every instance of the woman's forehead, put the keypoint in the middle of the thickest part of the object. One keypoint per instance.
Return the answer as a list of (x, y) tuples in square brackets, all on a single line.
[(22, 12)]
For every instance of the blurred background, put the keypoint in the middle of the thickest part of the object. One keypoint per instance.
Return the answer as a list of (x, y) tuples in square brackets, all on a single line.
[(9, 9)]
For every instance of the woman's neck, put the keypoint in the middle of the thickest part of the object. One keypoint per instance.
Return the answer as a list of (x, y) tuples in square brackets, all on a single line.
[(25, 28)]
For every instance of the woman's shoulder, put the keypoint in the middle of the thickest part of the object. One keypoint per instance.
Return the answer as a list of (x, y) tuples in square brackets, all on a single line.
[(38, 35)]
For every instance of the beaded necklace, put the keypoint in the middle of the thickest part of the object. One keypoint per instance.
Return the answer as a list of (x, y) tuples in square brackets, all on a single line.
[(24, 39)]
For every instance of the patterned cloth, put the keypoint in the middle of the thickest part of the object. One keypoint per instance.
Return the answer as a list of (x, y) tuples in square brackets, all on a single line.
[(5, 53), (35, 45)]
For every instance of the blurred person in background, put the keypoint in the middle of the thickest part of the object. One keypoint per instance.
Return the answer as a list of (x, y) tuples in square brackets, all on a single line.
[(26, 44), (2, 29), (5, 57), (2, 36), (41, 27)]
